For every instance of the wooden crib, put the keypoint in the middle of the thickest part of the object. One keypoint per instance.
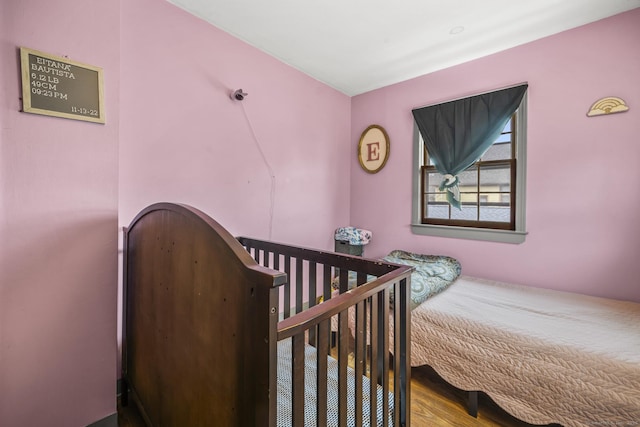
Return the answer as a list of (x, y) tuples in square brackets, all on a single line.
[(232, 332)]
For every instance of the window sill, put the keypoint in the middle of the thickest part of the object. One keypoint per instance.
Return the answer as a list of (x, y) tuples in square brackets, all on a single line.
[(501, 236)]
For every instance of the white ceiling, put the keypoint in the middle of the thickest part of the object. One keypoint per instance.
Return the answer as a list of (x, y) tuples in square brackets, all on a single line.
[(356, 46)]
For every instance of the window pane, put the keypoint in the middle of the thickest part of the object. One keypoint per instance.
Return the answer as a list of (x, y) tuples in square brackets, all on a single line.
[(436, 205), (469, 197), (498, 152), (468, 180), (437, 209), (495, 179), (469, 212), (495, 212), (501, 148), (433, 182), (504, 138)]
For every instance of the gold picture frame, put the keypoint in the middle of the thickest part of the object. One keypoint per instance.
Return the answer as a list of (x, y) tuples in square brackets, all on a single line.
[(373, 148)]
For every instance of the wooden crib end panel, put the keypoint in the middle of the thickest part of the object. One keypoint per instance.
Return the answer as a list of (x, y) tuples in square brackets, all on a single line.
[(194, 313)]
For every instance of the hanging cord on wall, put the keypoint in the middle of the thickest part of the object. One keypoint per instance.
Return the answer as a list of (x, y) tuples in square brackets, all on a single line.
[(272, 174)]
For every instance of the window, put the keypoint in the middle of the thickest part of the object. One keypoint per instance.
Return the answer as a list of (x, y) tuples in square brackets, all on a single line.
[(492, 190), (485, 189)]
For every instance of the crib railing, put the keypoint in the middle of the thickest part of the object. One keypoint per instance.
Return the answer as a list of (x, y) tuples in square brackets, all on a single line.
[(340, 305)]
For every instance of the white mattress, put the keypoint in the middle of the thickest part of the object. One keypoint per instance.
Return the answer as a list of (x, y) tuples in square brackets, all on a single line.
[(544, 356)]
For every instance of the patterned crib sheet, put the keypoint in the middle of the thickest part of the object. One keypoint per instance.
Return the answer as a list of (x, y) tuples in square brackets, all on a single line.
[(284, 417)]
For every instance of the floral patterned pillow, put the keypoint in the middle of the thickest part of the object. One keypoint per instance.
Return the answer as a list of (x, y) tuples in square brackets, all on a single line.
[(432, 274)]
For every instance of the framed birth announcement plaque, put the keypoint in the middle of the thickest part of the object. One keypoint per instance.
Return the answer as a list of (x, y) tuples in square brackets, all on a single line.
[(56, 86)]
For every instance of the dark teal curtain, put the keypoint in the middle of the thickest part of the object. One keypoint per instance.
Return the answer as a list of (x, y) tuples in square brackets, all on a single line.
[(458, 133)]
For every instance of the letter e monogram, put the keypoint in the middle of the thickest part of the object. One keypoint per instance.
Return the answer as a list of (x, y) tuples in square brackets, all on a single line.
[(373, 151)]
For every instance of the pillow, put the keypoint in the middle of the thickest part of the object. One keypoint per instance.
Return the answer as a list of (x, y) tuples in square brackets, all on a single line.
[(432, 274)]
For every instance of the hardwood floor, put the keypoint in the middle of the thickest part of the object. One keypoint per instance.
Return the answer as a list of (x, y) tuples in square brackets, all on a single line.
[(434, 403)]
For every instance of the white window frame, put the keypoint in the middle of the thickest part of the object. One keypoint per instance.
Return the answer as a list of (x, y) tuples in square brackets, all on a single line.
[(474, 233)]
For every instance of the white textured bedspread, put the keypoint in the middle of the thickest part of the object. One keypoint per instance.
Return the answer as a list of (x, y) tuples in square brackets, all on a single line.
[(544, 356)]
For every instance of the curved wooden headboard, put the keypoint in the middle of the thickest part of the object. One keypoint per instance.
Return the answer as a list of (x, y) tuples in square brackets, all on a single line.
[(191, 288)]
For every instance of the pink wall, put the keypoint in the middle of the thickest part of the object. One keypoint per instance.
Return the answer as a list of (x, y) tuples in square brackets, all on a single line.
[(167, 79), (582, 173), (184, 140), (58, 226)]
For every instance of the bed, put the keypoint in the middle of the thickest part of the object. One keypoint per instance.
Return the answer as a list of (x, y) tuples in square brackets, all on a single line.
[(544, 356), (231, 331)]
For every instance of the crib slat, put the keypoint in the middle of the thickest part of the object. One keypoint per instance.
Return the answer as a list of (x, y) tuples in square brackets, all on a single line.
[(397, 336), (312, 277), (373, 356), (344, 280), (276, 261), (326, 289), (323, 349), (287, 287), (326, 282), (403, 372), (361, 278), (384, 350), (297, 386), (343, 359), (267, 259), (360, 349), (299, 285), (360, 358)]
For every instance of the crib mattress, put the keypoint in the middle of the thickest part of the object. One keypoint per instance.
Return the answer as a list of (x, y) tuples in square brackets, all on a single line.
[(284, 417), (544, 356)]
